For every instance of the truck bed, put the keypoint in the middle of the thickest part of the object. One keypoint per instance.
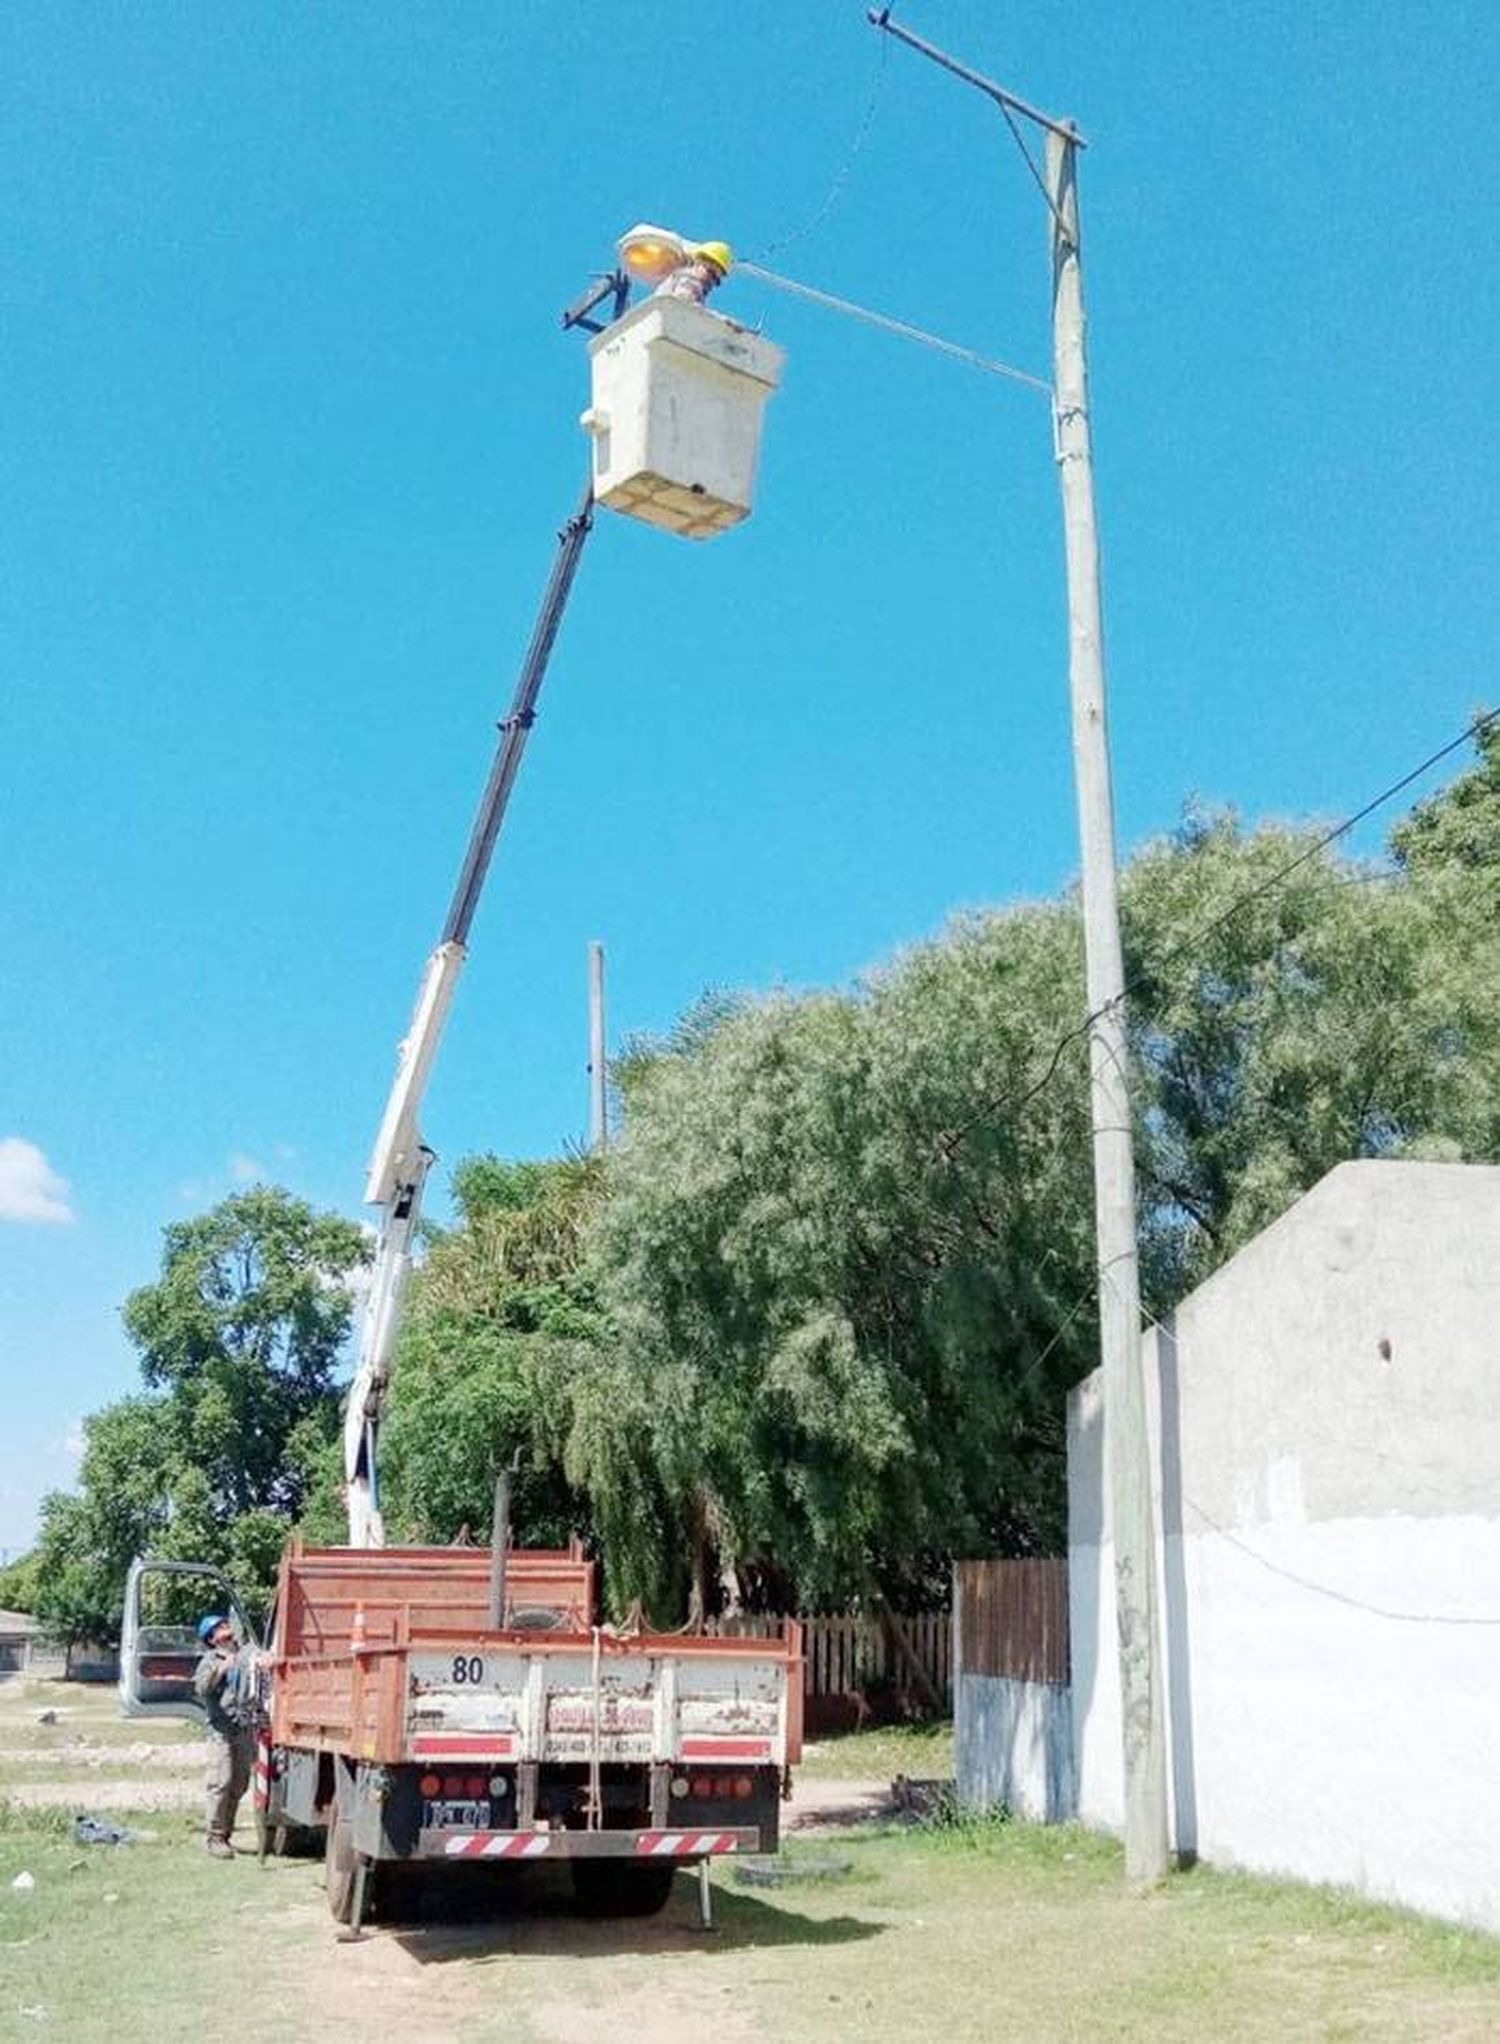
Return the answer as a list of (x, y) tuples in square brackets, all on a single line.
[(387, 1656)]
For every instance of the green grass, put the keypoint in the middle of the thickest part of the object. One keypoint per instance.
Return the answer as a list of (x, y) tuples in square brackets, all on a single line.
[(120, 1941), (923, 1751), (976, 1933), (995, 1931)]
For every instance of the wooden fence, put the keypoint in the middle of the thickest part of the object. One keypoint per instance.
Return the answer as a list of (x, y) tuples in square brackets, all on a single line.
[(904, 1658), (1012, 1619)]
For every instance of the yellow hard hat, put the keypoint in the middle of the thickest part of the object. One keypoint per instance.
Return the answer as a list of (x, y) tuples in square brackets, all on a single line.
[(717, 252)]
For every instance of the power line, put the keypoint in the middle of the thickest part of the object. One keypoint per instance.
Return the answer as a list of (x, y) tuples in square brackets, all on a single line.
[(1141, 980), (900, 327), (842, 175), (1327, 1590), (1274, 880), (1317, 1589)]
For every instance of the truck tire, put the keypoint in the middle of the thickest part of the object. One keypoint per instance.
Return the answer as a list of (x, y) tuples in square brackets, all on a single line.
[(616, 1887), (339, 1866)]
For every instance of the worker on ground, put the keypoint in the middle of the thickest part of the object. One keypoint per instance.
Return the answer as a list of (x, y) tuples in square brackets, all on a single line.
[(231, 1738), (707, 264)]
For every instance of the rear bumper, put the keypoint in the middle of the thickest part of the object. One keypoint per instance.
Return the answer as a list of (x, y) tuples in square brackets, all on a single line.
[(694, 1843)]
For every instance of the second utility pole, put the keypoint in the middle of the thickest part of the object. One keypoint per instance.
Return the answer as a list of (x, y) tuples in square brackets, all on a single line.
[(1127, 1455), (598, 1066)]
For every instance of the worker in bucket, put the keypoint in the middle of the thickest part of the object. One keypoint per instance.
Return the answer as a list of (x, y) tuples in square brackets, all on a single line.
[(231, 1738), (704, 268)]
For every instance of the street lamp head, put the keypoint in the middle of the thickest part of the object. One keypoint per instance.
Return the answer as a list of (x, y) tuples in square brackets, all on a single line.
[(650, 254)]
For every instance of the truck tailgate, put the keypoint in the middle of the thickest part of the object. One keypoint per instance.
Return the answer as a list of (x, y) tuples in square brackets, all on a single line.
[(602, 1697)]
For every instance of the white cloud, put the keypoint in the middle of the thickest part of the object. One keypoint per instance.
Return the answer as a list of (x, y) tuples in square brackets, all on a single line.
[(30, 1190), (73, 1442), (240, 1168)]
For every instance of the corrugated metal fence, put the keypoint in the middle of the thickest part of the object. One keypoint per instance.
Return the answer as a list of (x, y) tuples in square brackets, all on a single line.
[(1012, 1619)]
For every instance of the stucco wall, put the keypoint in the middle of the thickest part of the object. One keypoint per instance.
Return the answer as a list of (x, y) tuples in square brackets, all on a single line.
[(1326, 1411)]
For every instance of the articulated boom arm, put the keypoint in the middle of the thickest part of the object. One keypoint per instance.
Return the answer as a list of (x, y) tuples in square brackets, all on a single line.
[(401, 1160)]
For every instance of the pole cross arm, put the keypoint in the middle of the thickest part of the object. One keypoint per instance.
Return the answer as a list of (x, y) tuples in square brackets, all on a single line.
[(880, 17)]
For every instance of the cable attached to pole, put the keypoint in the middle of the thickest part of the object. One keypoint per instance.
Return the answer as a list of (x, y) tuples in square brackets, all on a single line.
[(900, 327)]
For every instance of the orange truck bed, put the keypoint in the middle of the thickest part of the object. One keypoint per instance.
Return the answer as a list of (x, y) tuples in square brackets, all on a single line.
[(387, 1655)]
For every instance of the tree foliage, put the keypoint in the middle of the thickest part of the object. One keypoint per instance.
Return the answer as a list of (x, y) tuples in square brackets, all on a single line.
[(496, 1325), (807, 1333), (1284, 1024), (837, 1278), (840, 1268), (239, 1341)]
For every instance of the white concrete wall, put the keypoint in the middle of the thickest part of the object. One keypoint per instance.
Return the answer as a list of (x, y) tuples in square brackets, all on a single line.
[(1327, 1415)]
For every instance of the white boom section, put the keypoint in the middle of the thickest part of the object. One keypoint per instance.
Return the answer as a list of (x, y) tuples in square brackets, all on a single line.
[(398, 1172), (401, 1162)]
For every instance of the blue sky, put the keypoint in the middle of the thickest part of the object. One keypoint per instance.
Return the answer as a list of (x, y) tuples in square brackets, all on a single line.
[(290, 425)]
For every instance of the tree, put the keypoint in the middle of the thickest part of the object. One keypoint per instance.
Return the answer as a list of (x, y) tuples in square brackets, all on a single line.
[(847, 1249), (499, 1325), (1285, 1020), (243, 1330), (1458, 828), (809, 1331), (843, 1287), (239, 1341), (20, 1582)]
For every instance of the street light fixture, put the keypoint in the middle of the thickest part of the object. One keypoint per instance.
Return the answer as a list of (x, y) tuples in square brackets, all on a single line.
[(651, 254), (1127, 1449)]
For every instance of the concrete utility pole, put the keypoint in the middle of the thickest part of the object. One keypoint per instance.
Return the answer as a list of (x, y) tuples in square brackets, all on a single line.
[(1127, 1447), (598, 1070)]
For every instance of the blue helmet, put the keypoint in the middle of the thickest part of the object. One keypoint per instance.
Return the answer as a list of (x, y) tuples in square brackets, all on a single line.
[(209, 1624)]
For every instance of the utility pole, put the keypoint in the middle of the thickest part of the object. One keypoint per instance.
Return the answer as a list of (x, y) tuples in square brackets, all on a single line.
[(1127, 1445), (598, 1070)]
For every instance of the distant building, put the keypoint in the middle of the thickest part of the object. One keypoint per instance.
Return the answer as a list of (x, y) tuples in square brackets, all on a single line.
[(17, 1631)]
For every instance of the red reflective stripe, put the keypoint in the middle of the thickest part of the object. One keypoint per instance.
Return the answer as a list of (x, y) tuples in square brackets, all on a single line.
[(498, 1845), (461, 1743), (675, 1844), (726, 1749)]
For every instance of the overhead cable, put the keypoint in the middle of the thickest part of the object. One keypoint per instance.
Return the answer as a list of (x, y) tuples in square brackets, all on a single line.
[(900, 327), (949, 1142), (842, 175)]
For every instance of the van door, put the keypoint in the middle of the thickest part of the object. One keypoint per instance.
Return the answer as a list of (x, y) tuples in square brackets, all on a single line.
[(159, 1644)]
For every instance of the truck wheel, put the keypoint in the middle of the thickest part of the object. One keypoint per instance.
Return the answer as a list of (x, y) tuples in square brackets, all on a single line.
[(338, 1867), (612, 1887)]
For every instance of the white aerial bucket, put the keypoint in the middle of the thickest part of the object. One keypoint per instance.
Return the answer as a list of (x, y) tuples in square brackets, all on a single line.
[(677, 398)]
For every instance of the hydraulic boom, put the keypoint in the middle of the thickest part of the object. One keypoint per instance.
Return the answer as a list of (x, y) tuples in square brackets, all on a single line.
[(401, 1160)]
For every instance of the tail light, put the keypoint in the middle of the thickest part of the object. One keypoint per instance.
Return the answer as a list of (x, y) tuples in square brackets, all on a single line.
[(430, 1785), (703, 1788), (744, 1787)]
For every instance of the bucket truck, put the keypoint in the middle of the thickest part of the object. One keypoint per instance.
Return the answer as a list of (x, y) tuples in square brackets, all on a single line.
[(423, 1706)]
